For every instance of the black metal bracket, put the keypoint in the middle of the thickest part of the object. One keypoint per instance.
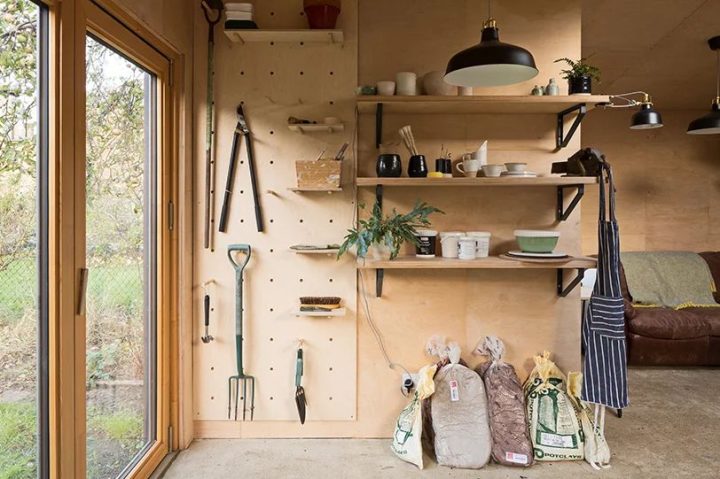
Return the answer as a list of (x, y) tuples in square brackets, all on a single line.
[(563, 291), (379, 276), (562, 213), (378, 125), (562, 140), (379, 195)]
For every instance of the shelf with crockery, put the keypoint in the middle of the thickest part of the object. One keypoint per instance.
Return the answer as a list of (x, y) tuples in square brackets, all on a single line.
[(480, 181), (249, 35), (491, 262)]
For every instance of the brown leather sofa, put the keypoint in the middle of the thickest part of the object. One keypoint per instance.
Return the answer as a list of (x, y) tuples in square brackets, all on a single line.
[(669, 337)]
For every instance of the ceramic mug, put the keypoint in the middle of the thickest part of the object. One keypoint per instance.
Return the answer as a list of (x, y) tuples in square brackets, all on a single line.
[(469, 166), (406, 83), (492, 171), (385, 88)]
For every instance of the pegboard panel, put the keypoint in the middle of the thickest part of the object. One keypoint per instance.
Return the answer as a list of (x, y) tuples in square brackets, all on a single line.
[(274, 81)]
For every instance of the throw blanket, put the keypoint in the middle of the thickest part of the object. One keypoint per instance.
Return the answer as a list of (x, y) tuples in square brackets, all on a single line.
[(674, 279)]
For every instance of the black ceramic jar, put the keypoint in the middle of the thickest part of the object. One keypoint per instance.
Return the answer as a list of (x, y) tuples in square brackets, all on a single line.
[(388, 166), (581, 85), (417, 168)]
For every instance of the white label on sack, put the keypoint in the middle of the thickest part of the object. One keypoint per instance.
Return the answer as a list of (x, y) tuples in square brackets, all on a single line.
[(547, 439), (516, 458), (454, 391)]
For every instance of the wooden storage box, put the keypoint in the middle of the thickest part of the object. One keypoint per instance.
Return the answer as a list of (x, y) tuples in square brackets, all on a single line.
[(319, 174)]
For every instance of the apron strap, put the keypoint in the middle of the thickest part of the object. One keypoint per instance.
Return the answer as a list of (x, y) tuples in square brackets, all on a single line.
[(606, 178)]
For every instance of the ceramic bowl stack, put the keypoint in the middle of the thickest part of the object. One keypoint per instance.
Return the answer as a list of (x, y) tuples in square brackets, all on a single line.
[(518, 170), (239, 16)]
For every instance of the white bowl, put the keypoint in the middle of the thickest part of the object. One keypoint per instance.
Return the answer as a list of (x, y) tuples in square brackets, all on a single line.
[(516, 167)]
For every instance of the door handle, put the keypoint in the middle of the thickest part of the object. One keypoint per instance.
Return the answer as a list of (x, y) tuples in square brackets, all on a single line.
[(84, 273)]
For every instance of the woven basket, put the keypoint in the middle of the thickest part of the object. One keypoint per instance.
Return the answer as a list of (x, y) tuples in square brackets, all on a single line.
[(318, 174)]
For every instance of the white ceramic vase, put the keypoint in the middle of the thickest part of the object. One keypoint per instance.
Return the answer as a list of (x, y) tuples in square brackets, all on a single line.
[(379, 251)]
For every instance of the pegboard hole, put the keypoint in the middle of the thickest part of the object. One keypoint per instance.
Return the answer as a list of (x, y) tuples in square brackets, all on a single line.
[(330, 279), (272, 73), (301, 220), (301, 280), (302, 14), (271, 398), (330, 339), (212, 309), (271, 280), (330, 368), (271, 310), (331, 220), (332, 73), (272, 14), (272, 339), (272, 162), (272, 250), (302, 73), (332, 102), (272, 43), (242, 162), (242, 192), (242, 102), (212, 398), (302, 43), (272, 369), (330, 398), (272, 132), (242, 72), (272, 220), (242, 220), (212, 368)]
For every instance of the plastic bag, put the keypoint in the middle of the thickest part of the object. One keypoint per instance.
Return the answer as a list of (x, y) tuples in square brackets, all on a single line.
[(459, 416), (511, 444), (596, 449), (555, 430), (407, 439)]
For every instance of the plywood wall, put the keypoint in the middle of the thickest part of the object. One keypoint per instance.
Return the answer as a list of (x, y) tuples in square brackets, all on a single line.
[(668, 183), (521, 306)]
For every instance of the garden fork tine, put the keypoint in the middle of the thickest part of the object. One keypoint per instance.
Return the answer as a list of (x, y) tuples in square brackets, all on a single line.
[(240, 376)]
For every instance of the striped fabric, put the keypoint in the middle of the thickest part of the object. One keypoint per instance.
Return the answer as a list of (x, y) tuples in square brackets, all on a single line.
[(603, 331)]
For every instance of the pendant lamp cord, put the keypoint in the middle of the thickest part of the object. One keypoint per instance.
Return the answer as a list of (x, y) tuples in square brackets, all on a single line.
[(717, 82), (490, 9)]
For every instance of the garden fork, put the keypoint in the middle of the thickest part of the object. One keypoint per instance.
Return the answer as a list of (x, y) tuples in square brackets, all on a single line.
[(240, 377)]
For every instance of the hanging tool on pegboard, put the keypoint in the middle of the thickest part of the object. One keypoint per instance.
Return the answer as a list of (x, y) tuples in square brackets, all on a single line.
[(212, 9), (300, 399), (241, 129)]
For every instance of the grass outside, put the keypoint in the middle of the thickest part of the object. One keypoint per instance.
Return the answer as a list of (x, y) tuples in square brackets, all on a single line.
[(115, 338)]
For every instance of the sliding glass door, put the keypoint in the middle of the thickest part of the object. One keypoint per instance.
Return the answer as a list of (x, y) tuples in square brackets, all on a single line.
[(125, 240), (121, 239), (23, 239)]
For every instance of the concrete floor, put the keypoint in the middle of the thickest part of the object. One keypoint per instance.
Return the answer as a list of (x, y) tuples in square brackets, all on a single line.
[(671, 430)]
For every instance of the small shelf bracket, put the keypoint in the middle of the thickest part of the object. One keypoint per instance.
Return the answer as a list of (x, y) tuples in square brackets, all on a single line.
[(378, 125), (561, 139), (562, 213), (379, 276), (563, 291), (379, 195)]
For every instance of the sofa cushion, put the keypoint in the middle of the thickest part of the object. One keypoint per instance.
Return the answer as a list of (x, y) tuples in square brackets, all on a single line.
[(667, 323), (709, 315)]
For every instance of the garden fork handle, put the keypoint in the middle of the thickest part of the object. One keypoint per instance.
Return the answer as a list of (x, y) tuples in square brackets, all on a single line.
[(239, 267)]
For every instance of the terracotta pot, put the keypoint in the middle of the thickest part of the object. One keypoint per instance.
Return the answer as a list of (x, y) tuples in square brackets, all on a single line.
[(322, 14)]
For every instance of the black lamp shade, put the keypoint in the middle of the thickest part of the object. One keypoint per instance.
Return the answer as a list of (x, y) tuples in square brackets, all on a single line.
[(708, 124), (490, 63), (646, 118)]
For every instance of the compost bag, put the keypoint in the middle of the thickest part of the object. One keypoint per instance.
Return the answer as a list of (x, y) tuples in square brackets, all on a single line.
[(459, 416), (555, 431), (596, 449), (511, 444), (407, 439)]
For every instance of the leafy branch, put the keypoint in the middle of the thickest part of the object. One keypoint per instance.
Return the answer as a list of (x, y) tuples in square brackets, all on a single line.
[(579, 69)]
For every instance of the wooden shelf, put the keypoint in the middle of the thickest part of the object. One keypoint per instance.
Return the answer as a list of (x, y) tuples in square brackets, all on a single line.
[(514, 104), (321, 314), (481, 181), (243, 36), (317, 127), (315, 190), (328, 251), (491, 262)]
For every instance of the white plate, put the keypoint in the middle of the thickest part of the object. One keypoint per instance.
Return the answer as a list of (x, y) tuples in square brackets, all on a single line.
[(522, 254), (524, 174)]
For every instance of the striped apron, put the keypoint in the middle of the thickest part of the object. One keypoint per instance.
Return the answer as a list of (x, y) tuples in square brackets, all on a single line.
[(603, 331)]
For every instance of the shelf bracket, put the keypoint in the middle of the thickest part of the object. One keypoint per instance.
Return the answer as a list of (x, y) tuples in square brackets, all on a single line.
[(564, 291), (379, 276), (562, 140), (378, 125), (562, 213), (379, 195)]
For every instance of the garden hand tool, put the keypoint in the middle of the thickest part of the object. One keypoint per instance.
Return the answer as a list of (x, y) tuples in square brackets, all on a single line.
[(212, 9), (240, 377), (300, 399), (206, 304), (241, 129)]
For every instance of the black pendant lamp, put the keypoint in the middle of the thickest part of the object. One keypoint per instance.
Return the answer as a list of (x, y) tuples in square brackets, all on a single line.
[(491, 62), (710, 123)]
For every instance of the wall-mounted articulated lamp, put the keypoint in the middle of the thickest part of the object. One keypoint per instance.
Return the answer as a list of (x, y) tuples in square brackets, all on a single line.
[(644, 119), (710, 123)]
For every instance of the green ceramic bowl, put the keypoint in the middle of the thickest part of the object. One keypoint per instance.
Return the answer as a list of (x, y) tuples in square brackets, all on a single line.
[(537, 241)]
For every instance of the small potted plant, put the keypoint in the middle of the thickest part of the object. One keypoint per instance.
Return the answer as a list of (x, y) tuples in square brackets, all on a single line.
[(382, 235), (579, 76)]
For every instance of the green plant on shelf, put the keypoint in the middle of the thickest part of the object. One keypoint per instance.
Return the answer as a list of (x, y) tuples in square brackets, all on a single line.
[(389, 231), (579, 69)]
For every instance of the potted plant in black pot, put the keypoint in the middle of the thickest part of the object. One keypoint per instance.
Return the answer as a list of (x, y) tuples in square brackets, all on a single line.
[(579, 76), (382, 236)]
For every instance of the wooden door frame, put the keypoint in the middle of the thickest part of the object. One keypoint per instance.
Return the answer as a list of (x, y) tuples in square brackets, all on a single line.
[(68, 22)]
